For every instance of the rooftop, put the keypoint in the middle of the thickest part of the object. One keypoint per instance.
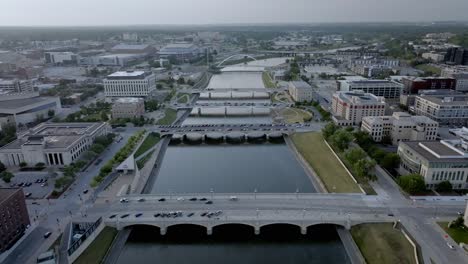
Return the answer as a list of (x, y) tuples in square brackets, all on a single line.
[(7, 192), (126, 74), (360, 97), (130, 47), (179, 46), (300, 85), (20, 105), (440, 151), (446, 99), (129, 100)]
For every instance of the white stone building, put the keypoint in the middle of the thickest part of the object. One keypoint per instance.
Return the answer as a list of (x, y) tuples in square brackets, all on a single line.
[(436, 161), (54, 144), (384, 88), (128, 107), (447, 110), (400, 126), (348, 108), (129, 84), (300, 91)]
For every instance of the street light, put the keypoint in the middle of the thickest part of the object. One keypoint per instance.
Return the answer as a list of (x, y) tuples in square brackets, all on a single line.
[(255, 194), (297, 193), (211, 191)]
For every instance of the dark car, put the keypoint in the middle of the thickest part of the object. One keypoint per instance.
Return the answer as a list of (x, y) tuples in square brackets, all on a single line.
[(203, 199), (193, 199), (190, 215), (27, 195), (85, 191), (138, 215), (112, 216), (157, 215), (162, 199), (47, 234), (125, 215), (209, 202)]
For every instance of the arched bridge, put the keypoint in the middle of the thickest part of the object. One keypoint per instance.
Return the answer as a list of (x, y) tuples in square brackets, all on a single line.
[(235, 56)]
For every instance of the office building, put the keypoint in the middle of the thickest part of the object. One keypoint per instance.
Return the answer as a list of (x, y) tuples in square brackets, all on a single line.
[(181, 51), (446, 110), (117, 60), (400, 127), (371, 70), (433, 56), (300, 91), (413, 84), (383, 88), (61, 58), (436, 161), (456, 56), (14, 217), (130, 84), (143, 49), (54, 144), (24, 108), (348, 108), (128, 107), (15, 86), (408, 100)]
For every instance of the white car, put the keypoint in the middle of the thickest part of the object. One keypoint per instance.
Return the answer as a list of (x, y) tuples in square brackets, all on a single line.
[(450, 246), (123, 200), (233, 198), (180, 199)]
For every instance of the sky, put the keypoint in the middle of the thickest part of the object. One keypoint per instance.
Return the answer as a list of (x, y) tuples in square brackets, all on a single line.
[(199, 12)]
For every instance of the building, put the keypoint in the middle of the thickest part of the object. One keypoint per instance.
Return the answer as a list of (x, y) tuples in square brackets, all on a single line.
[(129, 107), (130, 84), (61, 57), (54, 144), (456, 56), (436, 161), (300, 91), (15, 86), (449, 71), (133, 49), (118, 60), (461, 133), (413, 84), (460, 74), (348, 108), (408, 100), (433, 56), (130, 36), (447, 110), (181, 51), (24, 108), (14, 218), (371, 70), (400, 126), (383, 88)]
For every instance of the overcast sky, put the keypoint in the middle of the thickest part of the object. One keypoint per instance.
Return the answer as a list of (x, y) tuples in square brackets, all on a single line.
[(136, 12)]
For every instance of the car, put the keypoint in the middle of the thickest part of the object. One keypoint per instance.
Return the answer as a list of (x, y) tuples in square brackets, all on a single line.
[(125, 215), (112, 216), (43, 185), (190, 214), (28, 184), (180, 199), (203, 199), (85, 191), (47, 234), (35, 203), (162, 199), (123, 200), (391, 215), (193, 199), (209, 202), (450, 246), (27, 195), (138, 215), (97, 162), (233, 198), (157, 215), (203, 214), (141, 200)]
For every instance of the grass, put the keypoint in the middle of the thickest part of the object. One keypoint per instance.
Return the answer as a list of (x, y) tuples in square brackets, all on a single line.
[(333, 175), (183, 98), (141, 162), (267, 81), (96, 251), (381, 244), (295, 115), (458, 234), (170, 116), (427, 68), (151, 140)]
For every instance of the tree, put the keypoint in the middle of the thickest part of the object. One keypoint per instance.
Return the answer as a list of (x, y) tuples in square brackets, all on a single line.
[(363, 166), (159, 86), (97, 148), (40, 165), (457, 222), (341, 139), (329, 129), (354, 155), (50, 113), (7, 176), (412, 183), (181, 80), (104, 116), (444, 186), (23, 164), (390, 161), (2, 167)]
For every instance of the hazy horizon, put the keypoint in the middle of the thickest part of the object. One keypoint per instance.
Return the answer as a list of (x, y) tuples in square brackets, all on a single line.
[(225, 12)]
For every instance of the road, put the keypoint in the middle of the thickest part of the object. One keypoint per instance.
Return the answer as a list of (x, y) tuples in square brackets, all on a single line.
[(49, 211)]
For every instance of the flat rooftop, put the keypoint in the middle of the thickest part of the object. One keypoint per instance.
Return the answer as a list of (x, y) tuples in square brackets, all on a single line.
[(126, 74), (7, 192), (430, 150), (128, 100)]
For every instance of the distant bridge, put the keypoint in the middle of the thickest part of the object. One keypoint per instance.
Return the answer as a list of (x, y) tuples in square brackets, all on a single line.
[(235, 56)]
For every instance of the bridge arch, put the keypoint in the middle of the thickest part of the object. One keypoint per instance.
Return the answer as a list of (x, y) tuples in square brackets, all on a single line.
[(243, 228), (233, 56), (187, 227)]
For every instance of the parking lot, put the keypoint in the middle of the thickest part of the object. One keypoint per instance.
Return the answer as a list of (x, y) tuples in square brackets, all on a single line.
[(37, 190)]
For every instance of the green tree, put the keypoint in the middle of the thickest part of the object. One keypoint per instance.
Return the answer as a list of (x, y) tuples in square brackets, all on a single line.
[(329, 129), (23, 164), (97, 148), (181, 80), (104, 116), (363, 166), (444, 186), (354, 155), (341, 139), (412, 183), (50, 113), (390, 161), (7, 176)]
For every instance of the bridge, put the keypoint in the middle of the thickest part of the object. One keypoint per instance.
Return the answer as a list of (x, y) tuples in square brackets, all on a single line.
[(244, 128), (235, 56), (254, 210), (233, 89)]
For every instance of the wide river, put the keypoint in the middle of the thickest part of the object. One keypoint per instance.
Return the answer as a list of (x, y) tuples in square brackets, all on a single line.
[(232, 169)]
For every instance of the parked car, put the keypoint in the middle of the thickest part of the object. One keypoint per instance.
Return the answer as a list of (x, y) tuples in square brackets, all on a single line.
[(47, 234)]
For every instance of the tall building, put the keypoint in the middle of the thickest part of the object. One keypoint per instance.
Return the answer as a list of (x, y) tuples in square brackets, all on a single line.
[(182, 51), (14, 217), (456, 56), (383, 88), (133, 49), (413, 84), (348, 108), (130, 84), (15, 86), (61, 58), (400, 127), (436, 161), (446, 110), (129, 107), (53, 144), (300, 91)]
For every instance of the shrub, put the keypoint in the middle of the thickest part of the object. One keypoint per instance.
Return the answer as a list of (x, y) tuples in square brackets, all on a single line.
[(412, 183), (23, 164)]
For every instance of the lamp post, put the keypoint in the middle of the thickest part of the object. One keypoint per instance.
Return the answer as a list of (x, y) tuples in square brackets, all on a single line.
[(211, 191), (255, 194)]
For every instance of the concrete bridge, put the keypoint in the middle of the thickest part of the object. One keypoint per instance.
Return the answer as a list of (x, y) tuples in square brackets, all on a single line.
[(232, 89), (226, 129)]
